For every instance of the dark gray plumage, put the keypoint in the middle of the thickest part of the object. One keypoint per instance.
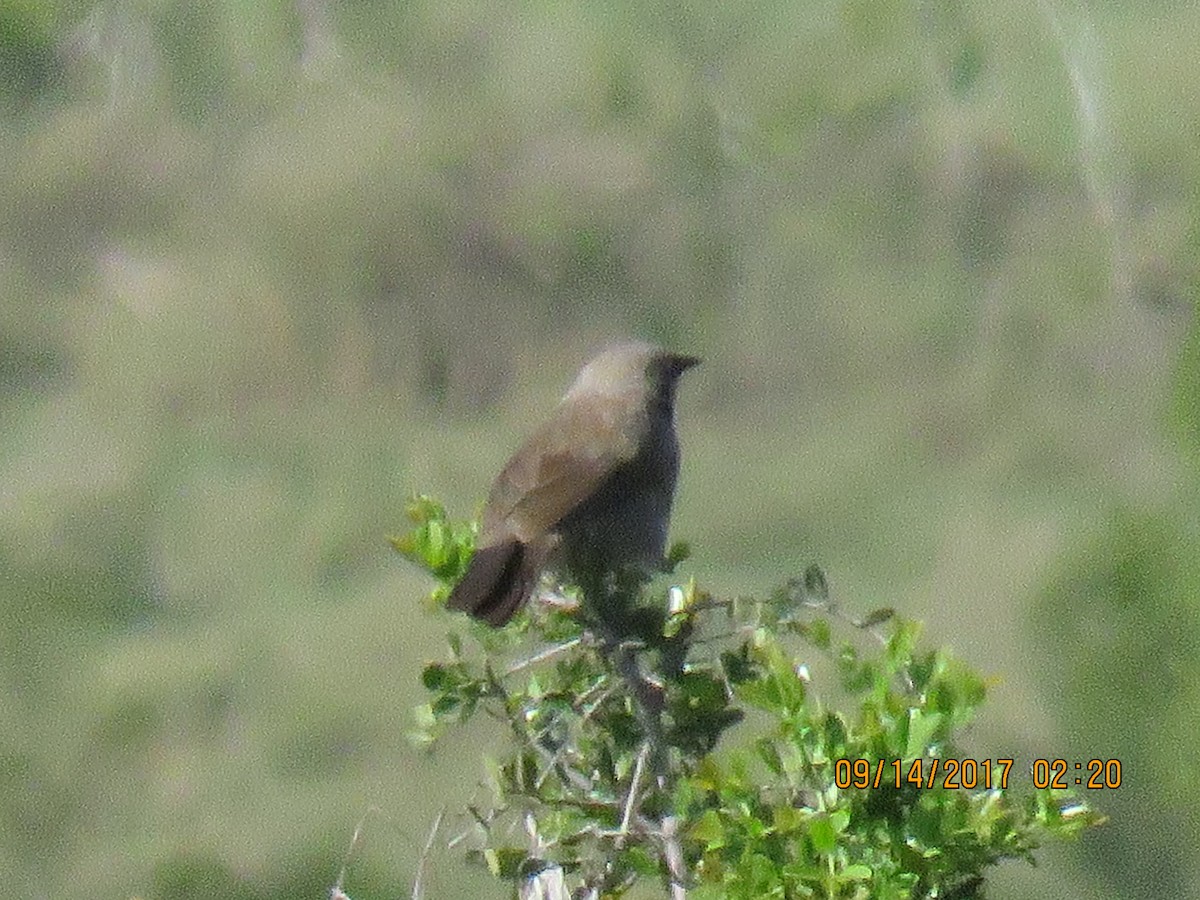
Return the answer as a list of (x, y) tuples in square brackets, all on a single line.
[(590, 491)]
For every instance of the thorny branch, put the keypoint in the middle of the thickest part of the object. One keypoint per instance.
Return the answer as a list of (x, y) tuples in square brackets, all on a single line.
[(648, 701)]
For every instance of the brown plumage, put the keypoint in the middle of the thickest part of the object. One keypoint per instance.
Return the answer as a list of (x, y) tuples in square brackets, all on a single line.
[(590, 491)]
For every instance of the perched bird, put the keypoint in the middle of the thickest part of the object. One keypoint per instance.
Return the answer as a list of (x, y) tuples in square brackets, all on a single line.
[(589, 493)]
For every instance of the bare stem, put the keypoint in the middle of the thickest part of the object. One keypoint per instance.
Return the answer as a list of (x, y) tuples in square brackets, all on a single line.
[(648, 701), (418, 890), (541, 656), (631, 798)]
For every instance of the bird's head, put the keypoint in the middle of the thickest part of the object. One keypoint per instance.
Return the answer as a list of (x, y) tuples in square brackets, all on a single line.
[(633, 369)]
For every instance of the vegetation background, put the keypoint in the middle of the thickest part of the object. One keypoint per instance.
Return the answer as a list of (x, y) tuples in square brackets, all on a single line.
[(267, 268)]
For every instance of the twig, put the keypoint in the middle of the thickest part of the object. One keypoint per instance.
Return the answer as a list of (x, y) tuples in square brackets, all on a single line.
[(336, 892), (541, 656), (634, 782), (673, 853), (418, 887), (648, 707)]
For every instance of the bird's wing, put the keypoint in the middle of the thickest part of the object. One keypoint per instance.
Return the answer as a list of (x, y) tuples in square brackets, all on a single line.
[(559, 467)]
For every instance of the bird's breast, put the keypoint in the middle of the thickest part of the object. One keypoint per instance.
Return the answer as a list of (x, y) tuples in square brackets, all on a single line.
[(625, 521)]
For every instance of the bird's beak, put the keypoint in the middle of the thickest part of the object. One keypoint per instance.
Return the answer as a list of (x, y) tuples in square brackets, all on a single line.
[(683, 363)]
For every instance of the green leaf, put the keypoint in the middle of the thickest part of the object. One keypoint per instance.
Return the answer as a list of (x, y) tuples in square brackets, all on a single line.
[(839, 820), (435, 677), (818, 633), (709, 830), (876, 617), (921, 728), (421, 508), (788, 818), (822, 834), (434, 549), (505, 862), (420, 739), (677, 553), (424, 716), (642, 861)]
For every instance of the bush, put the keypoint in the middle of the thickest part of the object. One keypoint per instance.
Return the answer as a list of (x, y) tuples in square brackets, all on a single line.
[(611, 771)]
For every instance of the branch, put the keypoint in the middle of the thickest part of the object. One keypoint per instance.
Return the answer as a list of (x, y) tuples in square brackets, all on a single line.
[(648, 702), (418, 890), (634, 782)]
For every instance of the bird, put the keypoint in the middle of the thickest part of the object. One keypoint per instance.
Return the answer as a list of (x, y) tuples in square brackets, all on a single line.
[(589, 493)]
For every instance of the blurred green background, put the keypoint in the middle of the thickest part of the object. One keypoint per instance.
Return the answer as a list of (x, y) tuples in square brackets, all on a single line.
[(266, 268)]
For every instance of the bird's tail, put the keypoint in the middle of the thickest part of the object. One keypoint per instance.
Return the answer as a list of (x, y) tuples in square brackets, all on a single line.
[(498, 581)]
